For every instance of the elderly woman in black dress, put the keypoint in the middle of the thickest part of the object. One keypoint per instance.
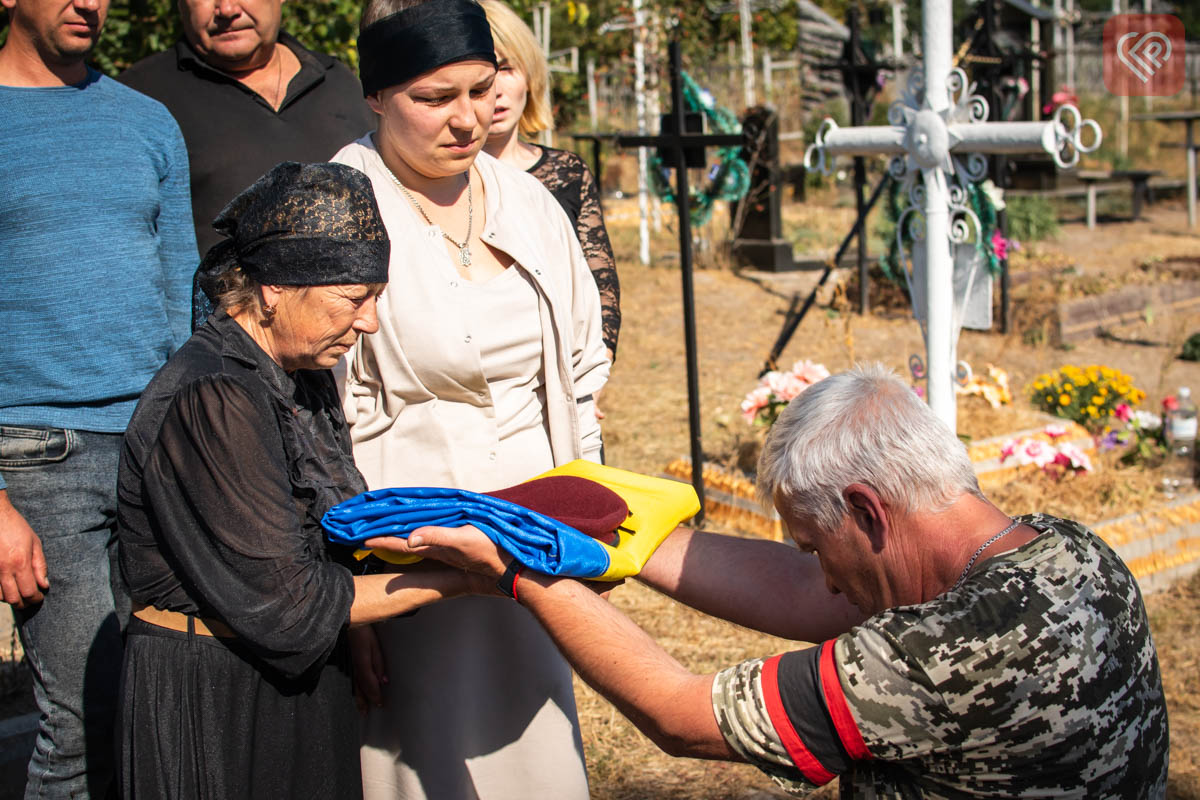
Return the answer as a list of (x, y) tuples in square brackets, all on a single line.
[(235, 679)]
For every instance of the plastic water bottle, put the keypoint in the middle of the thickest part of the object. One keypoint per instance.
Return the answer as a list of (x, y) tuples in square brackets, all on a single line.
[(1180, 430)]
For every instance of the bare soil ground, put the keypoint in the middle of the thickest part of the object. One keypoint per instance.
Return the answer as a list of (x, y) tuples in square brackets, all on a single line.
[(739, 315)]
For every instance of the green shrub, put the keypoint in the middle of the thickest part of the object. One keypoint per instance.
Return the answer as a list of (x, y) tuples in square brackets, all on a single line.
[(1191, 348), (1031, 219)]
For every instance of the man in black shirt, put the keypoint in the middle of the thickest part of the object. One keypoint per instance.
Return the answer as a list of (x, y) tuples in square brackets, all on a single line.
[(247, 97)]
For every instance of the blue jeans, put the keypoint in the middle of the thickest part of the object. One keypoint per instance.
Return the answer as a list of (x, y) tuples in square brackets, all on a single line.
[(64, 482)]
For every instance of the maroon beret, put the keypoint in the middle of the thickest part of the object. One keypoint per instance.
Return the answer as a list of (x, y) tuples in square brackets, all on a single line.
[(585, 505)]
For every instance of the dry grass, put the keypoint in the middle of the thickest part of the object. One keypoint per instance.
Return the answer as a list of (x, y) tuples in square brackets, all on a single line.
[(738, 320), (1176, 625)]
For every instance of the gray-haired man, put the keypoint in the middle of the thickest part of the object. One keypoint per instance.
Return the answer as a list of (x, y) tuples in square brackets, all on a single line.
[(989, 656)]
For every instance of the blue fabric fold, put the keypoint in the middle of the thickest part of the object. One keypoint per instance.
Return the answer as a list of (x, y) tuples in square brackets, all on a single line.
[(537, 541)]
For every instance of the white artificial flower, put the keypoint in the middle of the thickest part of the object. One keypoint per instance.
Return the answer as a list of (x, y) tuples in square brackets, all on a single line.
[(994, 193)]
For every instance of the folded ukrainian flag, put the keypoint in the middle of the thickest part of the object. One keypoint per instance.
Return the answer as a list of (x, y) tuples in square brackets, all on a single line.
[(656, 506)]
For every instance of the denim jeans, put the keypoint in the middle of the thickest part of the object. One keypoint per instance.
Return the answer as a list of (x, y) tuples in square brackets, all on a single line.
[(64, 482)]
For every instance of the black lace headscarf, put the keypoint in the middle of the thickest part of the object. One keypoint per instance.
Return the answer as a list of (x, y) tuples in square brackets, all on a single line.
[(301, 225)]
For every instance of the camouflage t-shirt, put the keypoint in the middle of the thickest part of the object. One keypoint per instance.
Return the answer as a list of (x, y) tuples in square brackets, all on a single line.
[(1036, 677)]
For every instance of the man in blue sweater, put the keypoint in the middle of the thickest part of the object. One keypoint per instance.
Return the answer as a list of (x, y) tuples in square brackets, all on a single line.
[(97, 252)]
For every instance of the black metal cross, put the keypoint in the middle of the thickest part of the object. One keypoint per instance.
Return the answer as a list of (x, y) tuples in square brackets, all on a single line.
[(990, 64), (679, 148), (859, 75)]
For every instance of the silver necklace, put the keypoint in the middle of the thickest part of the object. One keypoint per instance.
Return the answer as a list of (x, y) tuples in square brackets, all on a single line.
[(982, 547), (464, 247)]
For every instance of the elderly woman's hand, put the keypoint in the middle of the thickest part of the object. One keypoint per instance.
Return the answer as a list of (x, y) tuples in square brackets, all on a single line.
[(370, 669), (466, 548)]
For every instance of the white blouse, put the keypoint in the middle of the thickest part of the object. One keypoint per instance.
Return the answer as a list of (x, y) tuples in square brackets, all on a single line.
[(508, 328), (417, 397)]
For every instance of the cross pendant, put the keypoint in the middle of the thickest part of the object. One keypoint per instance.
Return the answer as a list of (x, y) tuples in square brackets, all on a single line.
[(464, 256)]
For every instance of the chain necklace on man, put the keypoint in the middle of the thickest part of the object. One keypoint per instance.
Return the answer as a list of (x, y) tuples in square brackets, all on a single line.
[(982, 547), (464, 247)]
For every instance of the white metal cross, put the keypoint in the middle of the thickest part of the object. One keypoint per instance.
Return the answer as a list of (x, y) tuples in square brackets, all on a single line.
[(939, 130)]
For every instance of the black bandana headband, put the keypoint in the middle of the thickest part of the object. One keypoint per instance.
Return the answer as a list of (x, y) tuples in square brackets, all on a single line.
[(401, 46)]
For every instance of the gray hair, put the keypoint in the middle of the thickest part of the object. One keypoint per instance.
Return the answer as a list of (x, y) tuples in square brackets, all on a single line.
[(862, 426)]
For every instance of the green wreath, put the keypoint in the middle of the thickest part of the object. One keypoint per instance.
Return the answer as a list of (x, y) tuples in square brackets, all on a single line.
[(729, 178), (890, 263)]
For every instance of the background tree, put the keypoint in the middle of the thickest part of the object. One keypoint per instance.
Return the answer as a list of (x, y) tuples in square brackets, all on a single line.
[(138, 28)]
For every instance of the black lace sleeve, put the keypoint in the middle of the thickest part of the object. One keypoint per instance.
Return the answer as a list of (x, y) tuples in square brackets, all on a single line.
[(571, 182)]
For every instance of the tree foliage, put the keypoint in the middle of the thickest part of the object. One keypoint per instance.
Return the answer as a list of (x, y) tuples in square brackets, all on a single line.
[(138, 28)]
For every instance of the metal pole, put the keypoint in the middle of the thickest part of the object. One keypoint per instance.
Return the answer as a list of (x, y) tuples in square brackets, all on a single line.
[(864, 277), (685, 261), (547, 135), (897, 29), (639, 89), (1070, 44), (858, 116), (768, 78), (936, 37), (747, 52), (1123, 120), (1005, 281), (593, 112), (1035, 66), (1191, 175)]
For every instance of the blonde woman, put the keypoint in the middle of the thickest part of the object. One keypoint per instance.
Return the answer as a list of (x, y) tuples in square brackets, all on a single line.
[(523, 109), (481, 375)]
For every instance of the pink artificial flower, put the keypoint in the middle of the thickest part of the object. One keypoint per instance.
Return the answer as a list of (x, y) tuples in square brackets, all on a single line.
[(999, 245), (1055, 431), (1071, 456), (756, 401), (1064, 95), (1123, 412), (1169, 403), (785, 386), (1038, 452), (1009, 448), (809, 371)]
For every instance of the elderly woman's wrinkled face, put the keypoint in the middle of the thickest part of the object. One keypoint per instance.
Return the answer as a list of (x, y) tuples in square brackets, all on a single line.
[(438, 122), (314, 326)]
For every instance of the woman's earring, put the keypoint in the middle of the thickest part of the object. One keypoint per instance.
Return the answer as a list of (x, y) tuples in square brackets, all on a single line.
[(269, 313)]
